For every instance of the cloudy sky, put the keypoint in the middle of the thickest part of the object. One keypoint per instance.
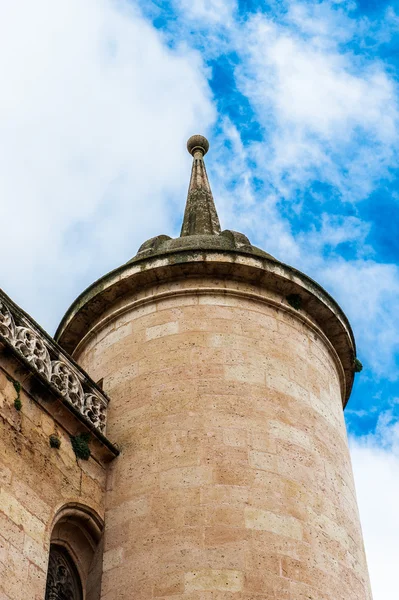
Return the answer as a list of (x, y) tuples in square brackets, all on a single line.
[(300, 102)]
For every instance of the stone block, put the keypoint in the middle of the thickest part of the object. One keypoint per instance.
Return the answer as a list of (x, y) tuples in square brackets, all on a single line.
[(213, 579), (219, 535), (169, 585), (36, 553), (157, 331), (20, 516), (231, 474), (235, 437), (112, 558), (186, 477), (263, 461), (245, 373), (286, 525), (224, 515)]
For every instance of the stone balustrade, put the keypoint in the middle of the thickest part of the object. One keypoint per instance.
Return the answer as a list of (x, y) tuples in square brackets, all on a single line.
[(47, 358)]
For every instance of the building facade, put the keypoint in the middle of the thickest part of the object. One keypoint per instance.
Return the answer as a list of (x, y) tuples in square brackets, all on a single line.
[(210, 460)]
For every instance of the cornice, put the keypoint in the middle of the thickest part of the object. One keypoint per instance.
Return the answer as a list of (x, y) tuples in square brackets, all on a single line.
[(283, 280)]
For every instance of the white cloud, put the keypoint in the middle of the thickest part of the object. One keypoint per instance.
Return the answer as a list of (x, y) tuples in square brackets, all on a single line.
[(319, 103), (376, 471), (367, 290), (325, 115), (335, 230), (369, 293), (94, 114), (209, 11)]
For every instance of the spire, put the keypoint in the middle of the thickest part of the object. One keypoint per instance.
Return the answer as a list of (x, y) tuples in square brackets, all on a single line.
[(200, 216)]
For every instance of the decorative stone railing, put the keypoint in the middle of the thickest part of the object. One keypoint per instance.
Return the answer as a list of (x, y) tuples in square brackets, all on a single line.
[(48, 359)]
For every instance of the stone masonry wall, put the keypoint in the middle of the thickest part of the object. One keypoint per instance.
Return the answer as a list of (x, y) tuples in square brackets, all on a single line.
[(234, 480), (36, 481)]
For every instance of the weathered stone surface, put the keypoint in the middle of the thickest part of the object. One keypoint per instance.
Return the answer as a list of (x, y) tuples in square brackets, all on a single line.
[(36, 481), (234, 479), (267, 281)]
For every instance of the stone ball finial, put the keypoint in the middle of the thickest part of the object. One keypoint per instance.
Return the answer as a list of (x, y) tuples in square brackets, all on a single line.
[(198, 143)]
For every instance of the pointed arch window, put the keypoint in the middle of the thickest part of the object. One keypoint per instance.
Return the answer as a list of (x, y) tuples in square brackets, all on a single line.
[(63, 581)]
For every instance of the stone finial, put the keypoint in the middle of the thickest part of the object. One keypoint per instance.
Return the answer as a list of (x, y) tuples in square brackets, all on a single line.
[(197, 143), (200, 216)]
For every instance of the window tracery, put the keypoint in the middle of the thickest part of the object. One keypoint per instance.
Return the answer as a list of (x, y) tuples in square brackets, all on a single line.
[(63, 582)]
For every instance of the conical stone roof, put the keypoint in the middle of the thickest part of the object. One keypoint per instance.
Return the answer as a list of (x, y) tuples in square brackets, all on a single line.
[(201, 226)]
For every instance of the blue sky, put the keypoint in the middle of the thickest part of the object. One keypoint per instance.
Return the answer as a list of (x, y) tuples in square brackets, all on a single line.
[(357, 43), (300, 102)]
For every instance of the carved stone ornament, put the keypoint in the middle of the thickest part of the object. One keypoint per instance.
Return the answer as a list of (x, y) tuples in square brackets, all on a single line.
[(7, 325), (67, 383), (95, 409), (34, 350), (62, 578), (39, 350)]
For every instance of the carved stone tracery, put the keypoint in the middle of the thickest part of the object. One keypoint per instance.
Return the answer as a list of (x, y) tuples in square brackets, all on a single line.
[(95, 409), (66, 381), (7, 325), (62, 578), (39, 350), (32, 347)]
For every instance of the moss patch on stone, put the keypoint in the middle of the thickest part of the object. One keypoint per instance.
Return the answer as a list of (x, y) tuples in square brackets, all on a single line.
[(17, 401), (80, 445), (55, 441)]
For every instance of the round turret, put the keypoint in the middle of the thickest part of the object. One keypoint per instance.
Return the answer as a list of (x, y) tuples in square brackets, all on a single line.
[(227, 372)]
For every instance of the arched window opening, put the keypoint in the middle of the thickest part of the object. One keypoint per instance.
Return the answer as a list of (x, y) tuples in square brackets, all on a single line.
[(75, 558), (63, 581)]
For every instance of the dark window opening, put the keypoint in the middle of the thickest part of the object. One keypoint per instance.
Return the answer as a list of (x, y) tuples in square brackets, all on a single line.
[(63, 581)]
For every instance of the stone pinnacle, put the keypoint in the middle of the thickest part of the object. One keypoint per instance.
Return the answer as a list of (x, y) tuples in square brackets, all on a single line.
[(200, 216)]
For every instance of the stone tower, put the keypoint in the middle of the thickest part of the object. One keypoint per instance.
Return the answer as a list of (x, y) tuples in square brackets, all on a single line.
[(228, 373)]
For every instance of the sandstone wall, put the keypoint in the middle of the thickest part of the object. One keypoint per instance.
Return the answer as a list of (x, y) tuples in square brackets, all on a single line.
[(36, 481), (234, 480)]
